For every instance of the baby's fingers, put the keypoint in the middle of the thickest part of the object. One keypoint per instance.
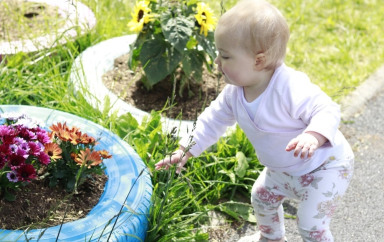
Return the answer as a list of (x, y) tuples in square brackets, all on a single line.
[(162, 163), (180, 166), (292, 144)]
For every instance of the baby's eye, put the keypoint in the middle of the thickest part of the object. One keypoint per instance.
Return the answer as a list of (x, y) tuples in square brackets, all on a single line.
[(225, 57)]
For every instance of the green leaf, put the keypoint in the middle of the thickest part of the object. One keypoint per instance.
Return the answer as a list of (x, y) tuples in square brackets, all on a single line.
[(192, 43), (177, 30), (193, 64), (230, 174), (9, 196), (241, 165), (158, 60), (141, 147), (208, 44), (126, 123), (244, 210)]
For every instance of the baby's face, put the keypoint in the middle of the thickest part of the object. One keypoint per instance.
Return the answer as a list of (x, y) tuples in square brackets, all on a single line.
[(233, 60)]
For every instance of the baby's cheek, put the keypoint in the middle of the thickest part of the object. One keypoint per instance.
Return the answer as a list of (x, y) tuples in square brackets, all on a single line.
[(229, 73)]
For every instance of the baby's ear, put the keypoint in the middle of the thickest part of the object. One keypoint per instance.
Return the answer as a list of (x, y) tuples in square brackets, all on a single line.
[(260, 61)]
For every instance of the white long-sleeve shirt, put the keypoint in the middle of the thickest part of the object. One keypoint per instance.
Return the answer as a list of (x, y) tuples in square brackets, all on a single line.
[(289, 106)]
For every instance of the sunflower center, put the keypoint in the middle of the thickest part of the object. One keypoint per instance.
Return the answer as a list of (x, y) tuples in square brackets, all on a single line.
[(204, 19), (140, 15)]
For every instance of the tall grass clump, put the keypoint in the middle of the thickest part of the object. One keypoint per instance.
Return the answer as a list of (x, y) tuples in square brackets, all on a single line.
[(181, 202)]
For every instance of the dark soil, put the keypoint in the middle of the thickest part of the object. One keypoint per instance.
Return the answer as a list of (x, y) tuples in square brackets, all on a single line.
[(126, 84), (40, 206)]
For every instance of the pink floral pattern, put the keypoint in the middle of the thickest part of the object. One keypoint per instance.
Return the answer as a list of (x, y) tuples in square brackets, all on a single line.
[(306, 180), (267, 196), (327, 208), (328, 183), (318, 235), (266, 229)]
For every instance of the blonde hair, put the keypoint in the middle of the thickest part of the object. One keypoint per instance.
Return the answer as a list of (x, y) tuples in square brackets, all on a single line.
[(259, 27)]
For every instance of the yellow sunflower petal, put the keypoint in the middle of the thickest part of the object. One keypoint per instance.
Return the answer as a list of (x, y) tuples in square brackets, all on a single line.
[(205, 18), (141, 15)]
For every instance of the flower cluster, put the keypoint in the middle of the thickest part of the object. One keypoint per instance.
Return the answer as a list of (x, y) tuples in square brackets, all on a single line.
[(142, 15), (175, 38), (73, 156), (22, 151), (65, 156)]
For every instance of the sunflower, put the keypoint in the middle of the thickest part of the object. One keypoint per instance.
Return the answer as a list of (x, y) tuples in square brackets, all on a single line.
[(205, 18), (53, 150), (141, 15)]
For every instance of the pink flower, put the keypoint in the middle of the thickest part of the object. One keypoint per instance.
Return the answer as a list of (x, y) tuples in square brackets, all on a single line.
[(44, 158), (26, 172)]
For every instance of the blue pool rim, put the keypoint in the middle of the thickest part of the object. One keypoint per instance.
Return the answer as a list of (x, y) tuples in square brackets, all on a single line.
[(123, 170)]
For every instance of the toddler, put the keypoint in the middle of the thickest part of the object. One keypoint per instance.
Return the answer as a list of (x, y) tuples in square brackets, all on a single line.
[(292, 124)]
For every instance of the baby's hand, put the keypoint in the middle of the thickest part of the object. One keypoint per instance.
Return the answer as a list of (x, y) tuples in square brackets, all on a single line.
[(178, 157), (306, 144)]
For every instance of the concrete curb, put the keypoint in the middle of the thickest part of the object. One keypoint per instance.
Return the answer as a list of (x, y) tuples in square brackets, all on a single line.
[(355, 102)]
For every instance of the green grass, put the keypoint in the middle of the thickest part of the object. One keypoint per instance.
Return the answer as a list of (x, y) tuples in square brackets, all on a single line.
[(337, 43)]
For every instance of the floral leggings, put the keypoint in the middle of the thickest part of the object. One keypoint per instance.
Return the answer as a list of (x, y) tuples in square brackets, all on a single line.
[(318, 193)]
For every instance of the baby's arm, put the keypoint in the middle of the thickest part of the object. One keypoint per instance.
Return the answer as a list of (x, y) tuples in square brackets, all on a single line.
[(178, 157), (306, 144)]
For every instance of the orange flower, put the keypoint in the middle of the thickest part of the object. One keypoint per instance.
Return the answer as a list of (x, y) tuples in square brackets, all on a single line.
[(64, 133), (105, 154), (86, 139), (56, 129), (89, 158), (53, 150)]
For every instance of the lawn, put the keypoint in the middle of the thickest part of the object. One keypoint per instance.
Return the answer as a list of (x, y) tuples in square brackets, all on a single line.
[(337, 43)]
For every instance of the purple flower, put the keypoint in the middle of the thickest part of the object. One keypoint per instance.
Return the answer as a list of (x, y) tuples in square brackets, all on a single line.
[(13, 116), (13, 148), (26, 122), (12, 177)]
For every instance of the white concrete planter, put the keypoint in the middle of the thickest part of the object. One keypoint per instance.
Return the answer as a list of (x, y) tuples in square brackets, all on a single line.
[(86, 75), (76, 15)]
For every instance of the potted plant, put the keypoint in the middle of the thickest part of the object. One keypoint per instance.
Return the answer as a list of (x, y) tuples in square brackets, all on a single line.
[(172, 52), (70, 157)]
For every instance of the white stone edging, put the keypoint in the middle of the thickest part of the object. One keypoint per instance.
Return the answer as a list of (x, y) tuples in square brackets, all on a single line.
[(76, 15)]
